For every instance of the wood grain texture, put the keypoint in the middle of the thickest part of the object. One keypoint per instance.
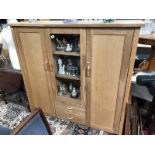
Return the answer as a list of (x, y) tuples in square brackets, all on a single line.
[(23, 67), (107, 82), (78, 117), (32, 54), (83, 46), (56, 24), (71, 110), (104, 102), (123, 77), (127, 124), (129, 76), (107, 55)]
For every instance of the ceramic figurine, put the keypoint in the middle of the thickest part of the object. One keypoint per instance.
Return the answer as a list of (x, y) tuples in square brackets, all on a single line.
[(60, 69), (74, 93), (77, 72), (59, 88), (70, 87), (52, 36), (60, 91), (63, 69), (68, 48), (64, 42), (64, 89), (70, 67)]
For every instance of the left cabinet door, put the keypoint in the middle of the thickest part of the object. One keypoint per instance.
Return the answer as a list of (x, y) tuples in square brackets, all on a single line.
[(31, 49)]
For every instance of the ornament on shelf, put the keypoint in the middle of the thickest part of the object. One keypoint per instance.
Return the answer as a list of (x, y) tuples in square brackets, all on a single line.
[(52, 36), (59, 88), (70, 87), (74, 93), (70, 68), (64, 89), (63, 69), (68, 48), (60, 68)]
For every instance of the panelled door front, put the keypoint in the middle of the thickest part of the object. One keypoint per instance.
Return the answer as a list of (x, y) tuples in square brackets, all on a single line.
[(108, 55), (34, 63)]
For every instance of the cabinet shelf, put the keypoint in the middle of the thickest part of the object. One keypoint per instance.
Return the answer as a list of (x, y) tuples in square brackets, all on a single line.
[(67, 77), (68, 98), (77, 54)]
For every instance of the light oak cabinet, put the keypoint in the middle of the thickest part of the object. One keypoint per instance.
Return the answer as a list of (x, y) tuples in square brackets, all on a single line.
[(108, 56), (105, 58), (33, 59)]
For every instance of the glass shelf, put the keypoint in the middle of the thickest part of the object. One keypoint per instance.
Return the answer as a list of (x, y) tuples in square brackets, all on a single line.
[(67, 77), (77, 54), (65, 88)]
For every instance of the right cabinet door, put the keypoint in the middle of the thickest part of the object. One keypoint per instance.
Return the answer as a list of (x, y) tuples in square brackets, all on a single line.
[(108, 58)]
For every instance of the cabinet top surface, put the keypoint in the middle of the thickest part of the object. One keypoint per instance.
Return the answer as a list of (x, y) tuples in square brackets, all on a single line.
[(117, 23)]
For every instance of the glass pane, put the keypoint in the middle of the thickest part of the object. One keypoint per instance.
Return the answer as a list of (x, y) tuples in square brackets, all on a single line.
[(66, 54)]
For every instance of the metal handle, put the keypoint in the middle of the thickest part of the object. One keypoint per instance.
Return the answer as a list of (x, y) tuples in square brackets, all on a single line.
[(70, 117), (46, 65), (69, 108), (88, 69)]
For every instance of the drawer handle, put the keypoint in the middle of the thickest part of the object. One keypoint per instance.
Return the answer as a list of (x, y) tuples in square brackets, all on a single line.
[(70, 117), (69, 108)]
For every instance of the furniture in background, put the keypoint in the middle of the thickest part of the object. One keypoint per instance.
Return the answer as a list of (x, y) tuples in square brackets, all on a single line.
[(149, 39), (79, 72), (143, 90), (11, 83), (34, 124)]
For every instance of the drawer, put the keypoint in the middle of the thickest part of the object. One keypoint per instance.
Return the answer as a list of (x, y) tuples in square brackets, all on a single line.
[(70, 113)]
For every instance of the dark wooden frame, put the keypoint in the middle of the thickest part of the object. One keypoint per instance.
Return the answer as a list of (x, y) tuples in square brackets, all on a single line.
[(28, 118)]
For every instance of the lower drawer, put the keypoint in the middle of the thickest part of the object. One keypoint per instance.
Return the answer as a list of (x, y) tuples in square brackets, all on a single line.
[(70, 113)]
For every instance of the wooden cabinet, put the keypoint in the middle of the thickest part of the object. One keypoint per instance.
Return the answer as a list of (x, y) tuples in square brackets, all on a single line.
[(33, 59), (105, 58), (108, 57)]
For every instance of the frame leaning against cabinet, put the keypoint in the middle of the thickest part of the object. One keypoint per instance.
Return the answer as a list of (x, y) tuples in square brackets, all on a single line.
[(79, 72)]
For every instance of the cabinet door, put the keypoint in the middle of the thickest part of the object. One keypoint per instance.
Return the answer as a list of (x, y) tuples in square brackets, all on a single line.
[(108, 56), (66, 105), (32, 53), (77, 57)]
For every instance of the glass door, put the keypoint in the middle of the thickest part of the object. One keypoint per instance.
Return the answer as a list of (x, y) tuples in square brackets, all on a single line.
[(66, 54)]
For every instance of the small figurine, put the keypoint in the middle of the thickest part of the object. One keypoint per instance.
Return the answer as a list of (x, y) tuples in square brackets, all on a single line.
[(74, 93), (64, 42), (69, 48), (64, 89), (69, 67), (60, 66), (77, 72), (52, 36), (60, 91), (63, 69), (59, 88), (70, 87)]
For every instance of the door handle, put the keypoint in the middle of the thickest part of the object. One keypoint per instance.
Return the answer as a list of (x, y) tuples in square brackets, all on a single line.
[(51, 67), (46, 65), (88, 69)]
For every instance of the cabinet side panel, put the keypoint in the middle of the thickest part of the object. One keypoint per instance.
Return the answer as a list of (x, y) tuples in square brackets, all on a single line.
[(107, 51), (32, 52)]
